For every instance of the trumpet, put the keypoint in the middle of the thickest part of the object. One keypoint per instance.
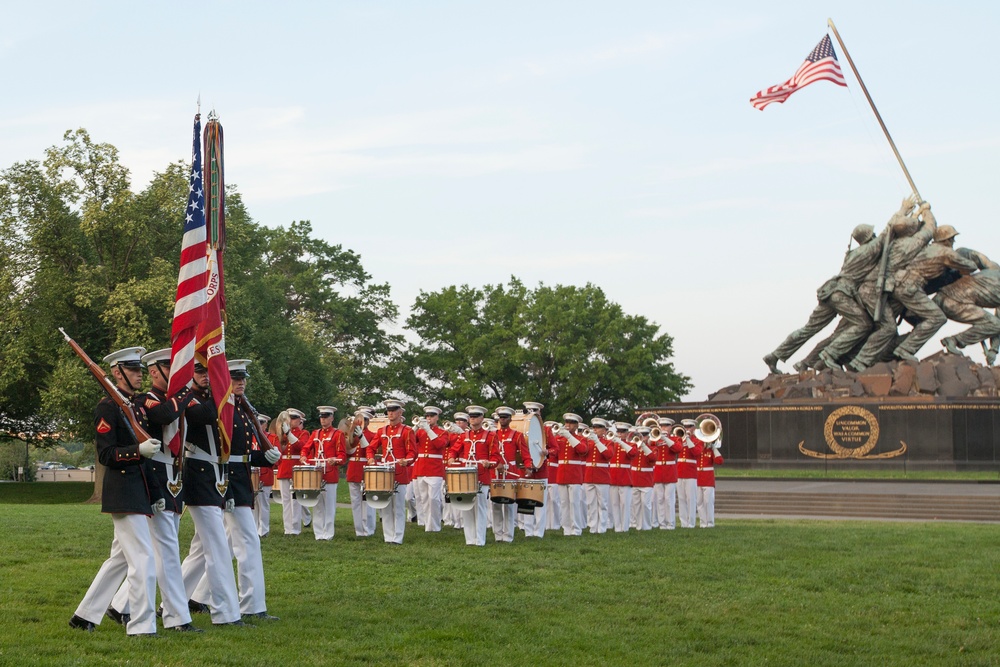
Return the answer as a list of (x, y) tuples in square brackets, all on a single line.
[(709, 428), (655, 434), (678, 431), (636, 439)]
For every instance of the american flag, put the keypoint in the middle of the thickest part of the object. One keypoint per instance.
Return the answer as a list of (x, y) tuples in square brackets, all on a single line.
[(191, 283), (820, 65)]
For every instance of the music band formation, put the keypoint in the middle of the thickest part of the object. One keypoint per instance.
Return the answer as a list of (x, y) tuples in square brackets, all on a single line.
[(513, 471)]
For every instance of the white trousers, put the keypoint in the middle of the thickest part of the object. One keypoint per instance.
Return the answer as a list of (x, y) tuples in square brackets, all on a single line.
[(687, 501), (210, 555), (598, 499), (534, 524), (394, 516), (241, 530), (665, 504), (262, 510), (574, 509), (363, 513), (706, 506), (503, 521), (325, 512), (428, 491), (163, 529), (411, 504), (642, 507), (621, 508), (131, 559), (555, 507), (474, 521), (291, 510)]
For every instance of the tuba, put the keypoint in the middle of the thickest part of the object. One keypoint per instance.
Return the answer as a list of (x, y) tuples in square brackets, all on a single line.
[(645, 417), (709, 428)]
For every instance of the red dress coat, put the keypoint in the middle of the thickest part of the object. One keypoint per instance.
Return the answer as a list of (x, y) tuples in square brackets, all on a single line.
[(326, 443), (291, 454), (572, 459), (508, 443), (395, 443), (358, 459), (431, 453), (474, 446), (706, 466), (665, 468), (598, 468)]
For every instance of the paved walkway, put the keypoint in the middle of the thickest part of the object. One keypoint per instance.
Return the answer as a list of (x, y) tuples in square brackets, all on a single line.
[(846, 486)]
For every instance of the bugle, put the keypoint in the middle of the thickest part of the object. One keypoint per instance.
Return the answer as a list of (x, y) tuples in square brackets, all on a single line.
[(709, 428)]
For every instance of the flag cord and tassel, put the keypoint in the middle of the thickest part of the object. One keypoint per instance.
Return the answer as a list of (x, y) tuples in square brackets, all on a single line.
[(878, 117)]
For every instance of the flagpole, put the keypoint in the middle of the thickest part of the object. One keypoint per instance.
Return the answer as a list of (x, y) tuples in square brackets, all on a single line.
[(878, 117)]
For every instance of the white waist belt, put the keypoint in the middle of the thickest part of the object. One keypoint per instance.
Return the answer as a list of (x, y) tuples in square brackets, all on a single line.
[(666, 463), (164, 457), (643, 469), (242, 458), (430, 456), (574, 463), (201, 455), (293, 457), (706, 469), (601, 465)]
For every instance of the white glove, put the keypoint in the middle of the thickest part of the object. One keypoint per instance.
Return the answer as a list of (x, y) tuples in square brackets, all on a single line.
[(230, 505), (601, 447), (272, 455), (645, 450), (292, 439), (456, 429), (285, 428), (149, 447), (431, 435), (569, 436), (363, 442), (358, 431), (627, 447), (159, 506)]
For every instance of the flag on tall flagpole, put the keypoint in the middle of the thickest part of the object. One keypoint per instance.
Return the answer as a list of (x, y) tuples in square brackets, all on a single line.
[(820, 65), (191, 282), (211, 345)]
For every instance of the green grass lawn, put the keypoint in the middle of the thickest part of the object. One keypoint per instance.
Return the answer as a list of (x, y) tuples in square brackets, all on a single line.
[(748, 592)]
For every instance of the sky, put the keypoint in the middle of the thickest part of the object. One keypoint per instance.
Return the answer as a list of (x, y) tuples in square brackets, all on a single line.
[(610, 143)]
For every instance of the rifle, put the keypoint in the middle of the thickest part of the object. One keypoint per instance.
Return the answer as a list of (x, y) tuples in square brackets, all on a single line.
[(883, 269), (124, 404), (243, 404)]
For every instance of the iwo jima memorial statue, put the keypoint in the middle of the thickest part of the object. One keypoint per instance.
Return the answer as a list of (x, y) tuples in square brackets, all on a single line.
[(861, 397)]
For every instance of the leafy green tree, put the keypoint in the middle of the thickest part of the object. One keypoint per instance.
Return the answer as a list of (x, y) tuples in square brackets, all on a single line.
[(567, 347)]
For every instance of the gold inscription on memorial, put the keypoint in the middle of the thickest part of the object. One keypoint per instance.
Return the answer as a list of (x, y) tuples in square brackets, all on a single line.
[(851, 432)]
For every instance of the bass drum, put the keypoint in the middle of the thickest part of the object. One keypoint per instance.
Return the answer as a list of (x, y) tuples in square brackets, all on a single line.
[(530, 425)]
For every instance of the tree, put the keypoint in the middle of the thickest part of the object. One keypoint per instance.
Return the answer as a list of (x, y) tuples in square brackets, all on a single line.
[(567, 347)]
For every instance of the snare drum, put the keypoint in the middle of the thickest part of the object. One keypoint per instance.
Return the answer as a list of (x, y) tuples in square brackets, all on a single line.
[(530, 493), (503, 491), (255, 480), (307, 484), (462, 486), (380, 484)]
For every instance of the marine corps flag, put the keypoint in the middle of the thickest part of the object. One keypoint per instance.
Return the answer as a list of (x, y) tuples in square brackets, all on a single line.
[(211, 345), (197, 331)]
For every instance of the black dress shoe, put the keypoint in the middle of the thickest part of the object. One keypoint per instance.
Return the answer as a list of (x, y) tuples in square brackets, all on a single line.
[(198, 607), (117, 616), (145, 635), (262, 615), (81, 623), (159, 611), (187, 627), (236, 624)]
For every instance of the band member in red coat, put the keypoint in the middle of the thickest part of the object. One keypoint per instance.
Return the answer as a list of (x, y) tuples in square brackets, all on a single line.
[(665, 475), (621, 478), (509, 455), (642, 482), (358, 438), (450, 516), (687, 474), (597, 477), (535, 524), (428, 471), (262, 504), (473, 449), (290, 441), (395, 443), (326, 448), (573, 450), (709, 458)]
